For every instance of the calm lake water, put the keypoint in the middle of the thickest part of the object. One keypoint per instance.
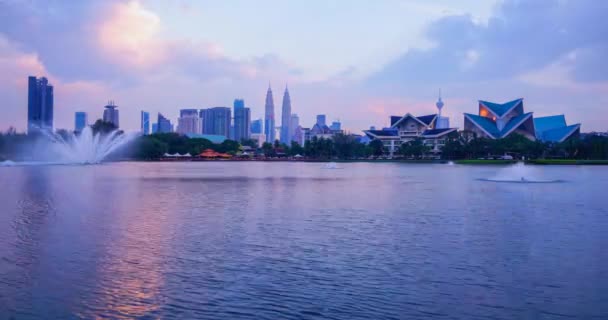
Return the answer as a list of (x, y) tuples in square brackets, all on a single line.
[(239, 240)]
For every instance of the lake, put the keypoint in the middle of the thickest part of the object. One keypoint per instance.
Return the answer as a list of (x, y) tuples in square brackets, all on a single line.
[(279, 240)]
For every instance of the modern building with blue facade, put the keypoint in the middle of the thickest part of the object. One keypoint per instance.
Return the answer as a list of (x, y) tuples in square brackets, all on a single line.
[(269, 124), (216, 121), (497, 121), (80, 121), (163, 125), (242, 120), (145, 122), (39, 104), (256, 126)]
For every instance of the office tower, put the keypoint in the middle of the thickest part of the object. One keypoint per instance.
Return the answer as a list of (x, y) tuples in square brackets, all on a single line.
[(163, 125), (189, 122), (154, 128), (110, 114), (145, 122), (216, 121), (242, 119), (286, 118), (256, 126), (39, 104), (321, 120), (80, 121), (269, 117), (335, 126), (295, 123)]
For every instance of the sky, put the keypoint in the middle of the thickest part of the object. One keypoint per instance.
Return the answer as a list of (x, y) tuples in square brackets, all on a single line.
[(356, 61)]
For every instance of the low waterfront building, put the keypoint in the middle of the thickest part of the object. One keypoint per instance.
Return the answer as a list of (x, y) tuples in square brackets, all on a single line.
[(432, 129)]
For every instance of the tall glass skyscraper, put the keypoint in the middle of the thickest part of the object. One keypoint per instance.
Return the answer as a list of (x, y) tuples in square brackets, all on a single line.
[(295, 122), (242, 119), (286, 118), (163, 125), (189, 122), (269, 117), (110, 114), (39, 104), (256, 126), (80, 121), (321, 120), (216, 121), (145, 122)]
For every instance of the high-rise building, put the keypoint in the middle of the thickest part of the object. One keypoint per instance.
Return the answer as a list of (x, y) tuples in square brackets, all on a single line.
[(336, 126), (286, 118), (242, 119), (163, 125), (39, 104), (189, 122), (110, 114), (295, 123), (321, 120), (154, 128), (145, 122), (269, 117), (256, 126), (216, 121), (80, 121)]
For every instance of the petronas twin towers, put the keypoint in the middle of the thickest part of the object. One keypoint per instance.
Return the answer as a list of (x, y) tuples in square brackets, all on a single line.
[(269, 122)]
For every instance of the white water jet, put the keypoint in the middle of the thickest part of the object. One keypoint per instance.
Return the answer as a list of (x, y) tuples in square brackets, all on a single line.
[(86, 147), (520, 173)]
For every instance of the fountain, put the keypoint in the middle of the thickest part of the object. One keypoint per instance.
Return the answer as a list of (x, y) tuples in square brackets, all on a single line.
[(84, 148), (520, 173)]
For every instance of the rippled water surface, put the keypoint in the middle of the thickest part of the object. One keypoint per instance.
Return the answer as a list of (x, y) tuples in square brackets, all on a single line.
[(230, 240)]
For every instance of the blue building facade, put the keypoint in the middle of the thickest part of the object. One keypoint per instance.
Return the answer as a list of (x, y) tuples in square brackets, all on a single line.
[(256, 126), (39, 104), (80, 121), (145, 122), (163, 125), (216, 121), (242, 119)]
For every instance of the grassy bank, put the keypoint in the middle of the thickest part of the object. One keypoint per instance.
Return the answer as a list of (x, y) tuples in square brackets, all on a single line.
[(479, 161), (567, 162)]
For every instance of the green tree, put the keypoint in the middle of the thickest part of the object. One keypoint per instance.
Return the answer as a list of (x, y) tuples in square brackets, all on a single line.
[(103, 127), (268, 149), (150, 148), (377, 147), (295, 149)]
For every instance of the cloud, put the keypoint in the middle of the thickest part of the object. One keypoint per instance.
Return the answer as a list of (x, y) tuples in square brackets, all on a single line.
[(520, 37)]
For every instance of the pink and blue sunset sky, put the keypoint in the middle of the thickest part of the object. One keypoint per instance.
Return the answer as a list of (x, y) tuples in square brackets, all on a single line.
[(357, 61)]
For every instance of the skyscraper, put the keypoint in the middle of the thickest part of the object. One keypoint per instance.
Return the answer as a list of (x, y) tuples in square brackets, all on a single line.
[(39, 104), (80, 121), (163, 125), (321, 120), (286, 118), (189, 122), (295, 123), (216, 121), (269, 116), (110, 114), (256, 126), (145, 122), (336, 126), (242, 118)]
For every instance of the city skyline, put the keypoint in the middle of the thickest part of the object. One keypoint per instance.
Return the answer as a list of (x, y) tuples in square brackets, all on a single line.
[(395, 59)]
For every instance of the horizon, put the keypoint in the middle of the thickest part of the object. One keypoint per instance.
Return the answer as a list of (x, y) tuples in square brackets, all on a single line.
[(360, 65)]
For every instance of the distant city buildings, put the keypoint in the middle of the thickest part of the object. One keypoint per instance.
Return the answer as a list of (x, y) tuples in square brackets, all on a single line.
[(154, 128), (163, 125), (294, 124), (336, 126), (110, 114), (269, 126), (216, 121), (145, 123), (81, 120), (242, 119), (39, 104), (286, 132), (189, 122), (256, 126), (321, 120)]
